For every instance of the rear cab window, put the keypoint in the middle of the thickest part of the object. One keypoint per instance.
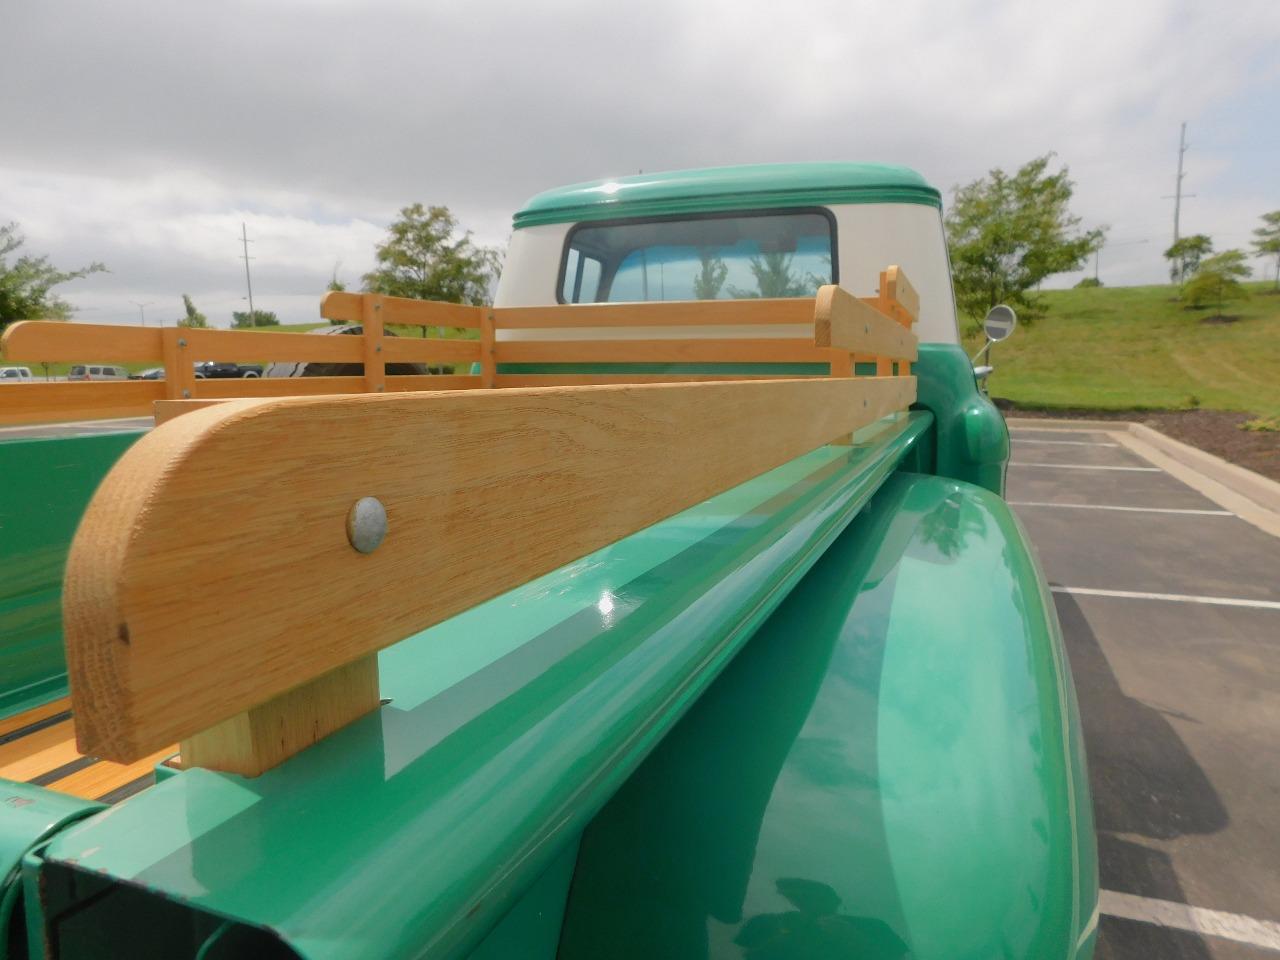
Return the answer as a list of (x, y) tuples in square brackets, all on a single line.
[(774, 253), (77, 371)]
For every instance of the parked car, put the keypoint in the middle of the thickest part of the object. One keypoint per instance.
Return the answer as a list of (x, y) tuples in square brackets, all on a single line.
[(97, 372), (151, 373), (16, 375), (228, 371)]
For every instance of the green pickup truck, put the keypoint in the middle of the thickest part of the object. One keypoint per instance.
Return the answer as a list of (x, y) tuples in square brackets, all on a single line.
[(691, 622)]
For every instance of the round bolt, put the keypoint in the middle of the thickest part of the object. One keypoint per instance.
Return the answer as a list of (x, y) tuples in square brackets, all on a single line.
[(377, 348), (366, 524), (182, 342), (186, 394)]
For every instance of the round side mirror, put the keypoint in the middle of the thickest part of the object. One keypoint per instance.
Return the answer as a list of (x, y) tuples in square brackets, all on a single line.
[(999, 323)]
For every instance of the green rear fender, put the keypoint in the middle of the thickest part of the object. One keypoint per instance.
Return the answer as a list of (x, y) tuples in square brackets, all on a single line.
[(892, 767)]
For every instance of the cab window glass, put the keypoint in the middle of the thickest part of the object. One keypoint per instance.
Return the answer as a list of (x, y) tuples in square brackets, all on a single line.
[(787, 254)]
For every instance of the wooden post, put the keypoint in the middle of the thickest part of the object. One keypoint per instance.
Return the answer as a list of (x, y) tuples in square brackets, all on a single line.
[(179, 368), (488, 367), (264, 736), (375, 366)]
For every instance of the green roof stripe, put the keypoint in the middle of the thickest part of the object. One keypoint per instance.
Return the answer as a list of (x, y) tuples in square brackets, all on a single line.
[(729, 188)]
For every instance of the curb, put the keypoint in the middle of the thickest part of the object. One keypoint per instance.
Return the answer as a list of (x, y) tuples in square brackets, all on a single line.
[(1261, 492)]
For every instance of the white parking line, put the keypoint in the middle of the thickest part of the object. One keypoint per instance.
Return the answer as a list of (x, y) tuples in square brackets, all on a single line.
[(1065, 443), (1173, 597), (1099, 506), (1181, 916), (1082, 466)]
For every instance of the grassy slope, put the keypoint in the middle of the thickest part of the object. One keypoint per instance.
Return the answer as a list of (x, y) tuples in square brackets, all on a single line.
[(1136, 348)]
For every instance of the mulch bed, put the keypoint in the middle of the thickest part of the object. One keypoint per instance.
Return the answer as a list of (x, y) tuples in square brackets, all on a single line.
[(1212, 430)]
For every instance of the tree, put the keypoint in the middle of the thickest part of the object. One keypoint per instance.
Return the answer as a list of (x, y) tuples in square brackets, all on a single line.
[(1218, 280), (25, 284), (710, 279), (243, 319), (1087, 282), (774, 277), (1007, 233), (424, 258), (194, 317), (1267, 243), (1185, 255)]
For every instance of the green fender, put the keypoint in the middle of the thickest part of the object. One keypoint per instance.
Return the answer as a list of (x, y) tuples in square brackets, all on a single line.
[(892, 767)]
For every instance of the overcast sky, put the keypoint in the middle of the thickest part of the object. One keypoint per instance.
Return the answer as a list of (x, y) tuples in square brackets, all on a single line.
[(143, 134)]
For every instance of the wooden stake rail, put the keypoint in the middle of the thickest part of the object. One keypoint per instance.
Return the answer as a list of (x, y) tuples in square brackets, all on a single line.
[(185, 618), (185, 614)]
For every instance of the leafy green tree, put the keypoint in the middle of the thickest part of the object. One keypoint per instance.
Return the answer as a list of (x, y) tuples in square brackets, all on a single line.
[(424, 258), (1185, 255), (26, 282), (1218, 280), (1267, 243), (1089, 282), (243, 319), (774, 277), (1006, 233), (710, 279), (193, 318)]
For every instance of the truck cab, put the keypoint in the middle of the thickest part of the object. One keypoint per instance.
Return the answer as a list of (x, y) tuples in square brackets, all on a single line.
[(691, 623)]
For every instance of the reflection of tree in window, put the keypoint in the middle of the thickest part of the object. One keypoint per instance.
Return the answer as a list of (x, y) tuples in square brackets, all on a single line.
[(774, 277), (707, 284)]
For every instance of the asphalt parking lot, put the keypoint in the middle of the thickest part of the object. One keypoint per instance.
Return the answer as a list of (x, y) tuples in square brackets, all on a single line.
[(1170, 607)]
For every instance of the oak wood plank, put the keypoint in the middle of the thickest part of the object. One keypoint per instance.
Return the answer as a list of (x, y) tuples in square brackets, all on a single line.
[(671, 313), (264, 736), (17, 750), (900, 296), (414, 350), (765, 350), (842, 320), (597, 379), (49, 341), (53, 402), (34, 715), (346, 307), (183, 603), (103, 777)]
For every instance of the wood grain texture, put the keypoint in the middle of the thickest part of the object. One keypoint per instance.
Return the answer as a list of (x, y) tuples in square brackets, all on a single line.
[(34, 715), (488, 363), (842, 320), (52, 402), (672, 313), (101, 778), (375, 364), (897, 297), (183, 603), (347, 307), (430, 350), (48, 341), (660, 351), (265, 736), (504, 380)]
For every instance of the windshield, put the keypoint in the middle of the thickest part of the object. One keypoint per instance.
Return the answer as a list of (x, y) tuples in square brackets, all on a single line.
[(785, 254)]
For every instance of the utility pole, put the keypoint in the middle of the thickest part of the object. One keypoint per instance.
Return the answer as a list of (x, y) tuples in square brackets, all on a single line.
[(142, 309), (1177, 193), (245, 241)]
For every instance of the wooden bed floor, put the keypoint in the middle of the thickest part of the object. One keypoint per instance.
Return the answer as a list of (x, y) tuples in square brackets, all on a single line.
[(39, 747)]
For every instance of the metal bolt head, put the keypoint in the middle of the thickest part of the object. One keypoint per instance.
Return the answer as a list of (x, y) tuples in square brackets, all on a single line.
[(182, 342), (366, 524), (186, 394)]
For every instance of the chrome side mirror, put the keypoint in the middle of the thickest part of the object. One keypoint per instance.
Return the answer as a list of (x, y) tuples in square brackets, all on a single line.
[(999, 323)]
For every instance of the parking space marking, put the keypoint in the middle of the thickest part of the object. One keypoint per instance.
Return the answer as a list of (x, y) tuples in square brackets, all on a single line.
[(1182, 916), (1064, 443), (1083, 466), (1100, 506), (1172, 597)]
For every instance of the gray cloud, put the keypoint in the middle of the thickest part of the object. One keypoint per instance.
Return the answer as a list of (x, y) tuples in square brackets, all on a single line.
[(143, 134)]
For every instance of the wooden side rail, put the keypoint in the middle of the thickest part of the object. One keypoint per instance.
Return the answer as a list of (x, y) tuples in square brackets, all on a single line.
[(846, 330), (187, 614)]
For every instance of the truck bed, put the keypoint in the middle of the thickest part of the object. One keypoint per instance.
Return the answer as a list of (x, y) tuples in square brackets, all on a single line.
[(38, 746)]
